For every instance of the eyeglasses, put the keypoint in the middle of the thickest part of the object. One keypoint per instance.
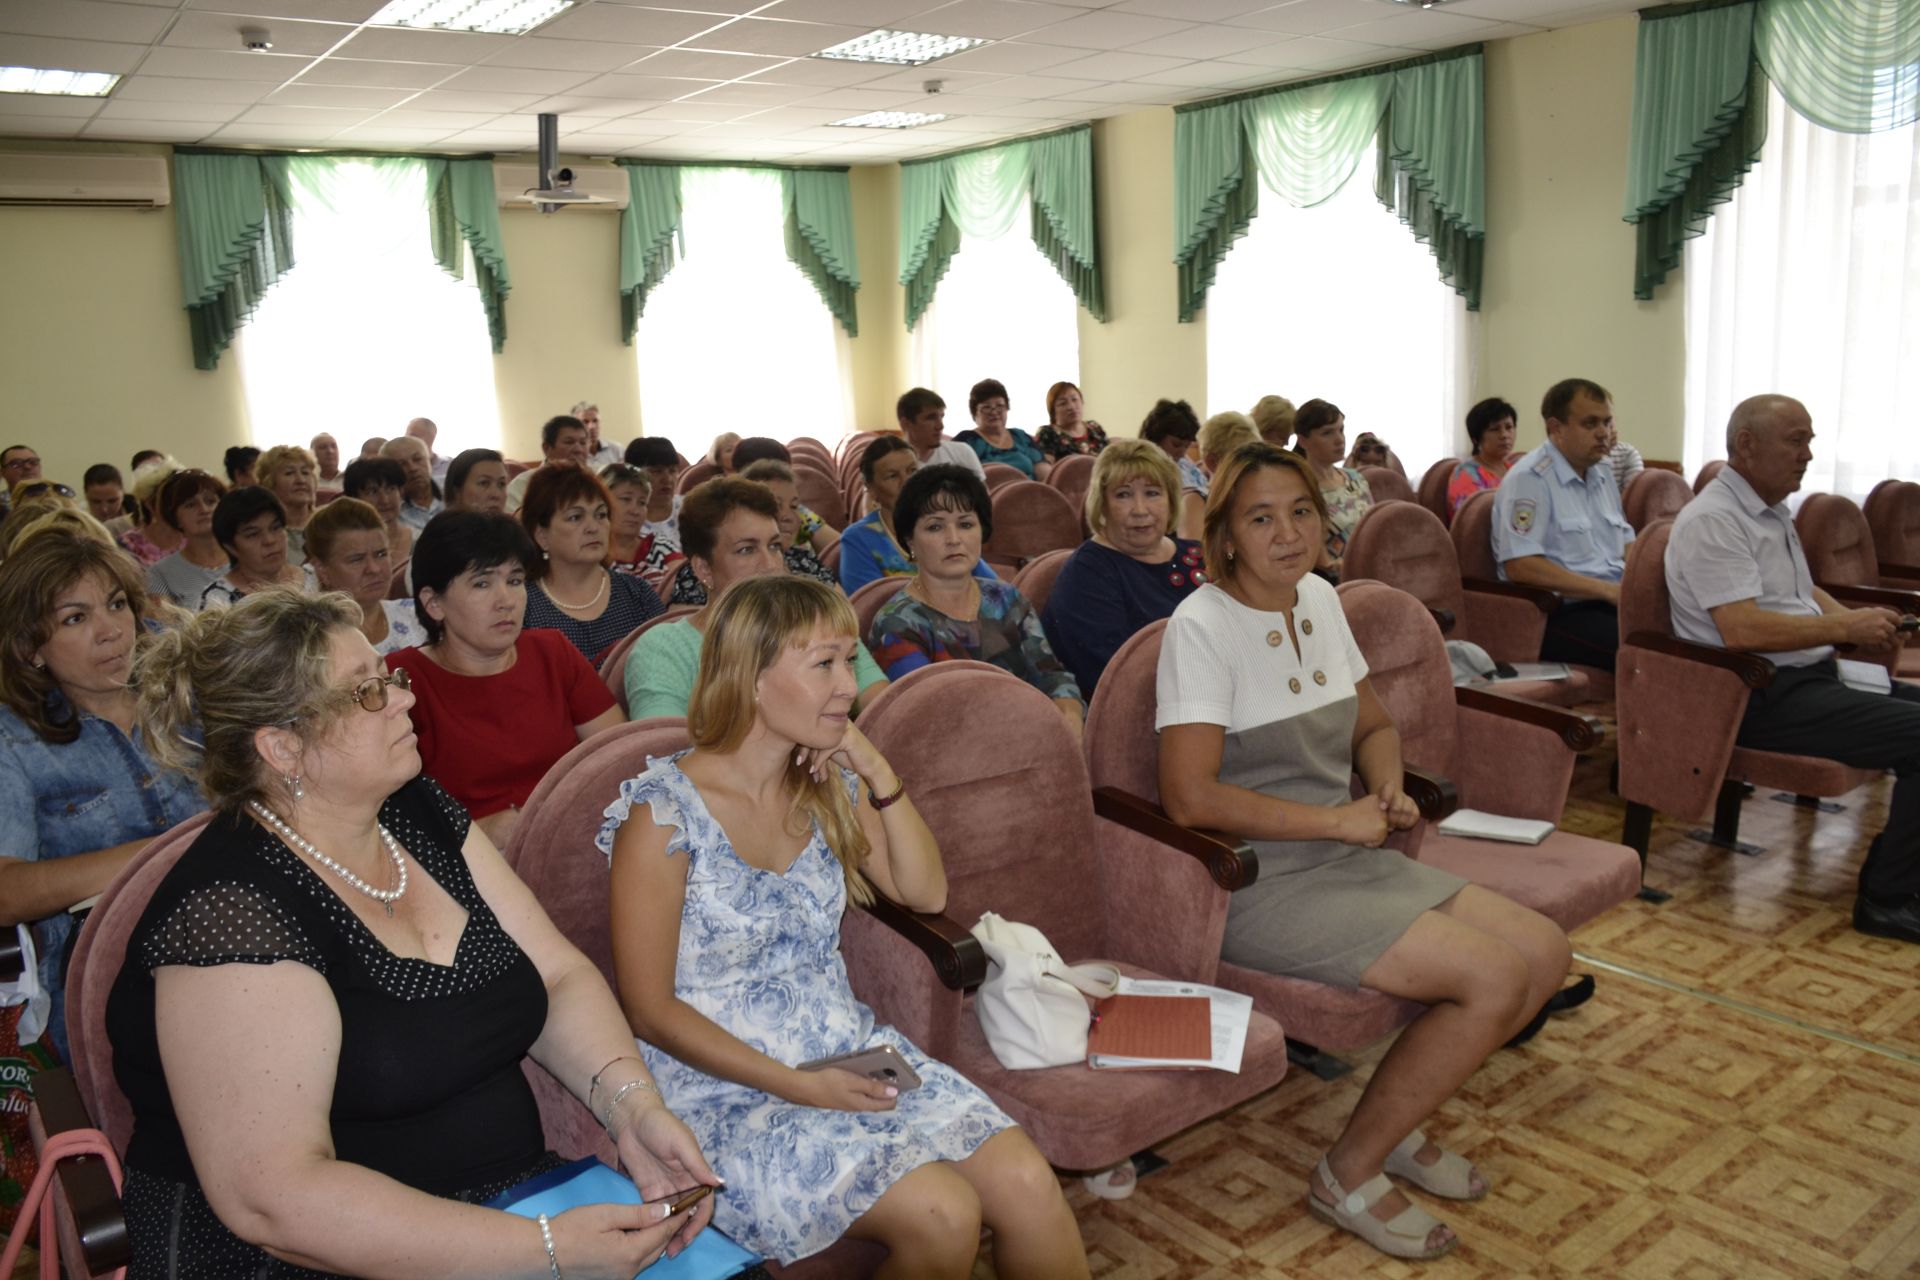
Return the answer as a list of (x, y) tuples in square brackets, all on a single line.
[(16, 464), (41, 488), (371, 693)]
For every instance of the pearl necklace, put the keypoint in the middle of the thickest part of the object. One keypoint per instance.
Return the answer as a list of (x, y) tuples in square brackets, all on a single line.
[(385, 897), (605, 578)]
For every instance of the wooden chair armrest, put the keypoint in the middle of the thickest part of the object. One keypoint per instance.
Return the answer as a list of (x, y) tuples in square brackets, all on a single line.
[(1890, 570), (1754, 671), (1444, 619), (1435, 796), (1852, 593), (1229, 860), (1580, 733), (956, 955), (1544, 601), (84, 1181)]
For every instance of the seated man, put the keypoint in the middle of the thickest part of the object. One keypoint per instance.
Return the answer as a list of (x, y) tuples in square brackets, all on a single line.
[(1739, 578), (922, 415), (563, 442), (1557, 525)]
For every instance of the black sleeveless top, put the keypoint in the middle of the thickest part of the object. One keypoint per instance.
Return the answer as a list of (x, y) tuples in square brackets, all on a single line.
[(428, 1087)]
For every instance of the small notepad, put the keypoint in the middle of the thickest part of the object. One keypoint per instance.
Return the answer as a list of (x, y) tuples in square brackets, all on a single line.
[(1476, 825), (1141, 1031)]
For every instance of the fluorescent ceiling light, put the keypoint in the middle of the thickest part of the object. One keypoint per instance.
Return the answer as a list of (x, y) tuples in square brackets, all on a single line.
[(902, 48), (890, 120), (74, 84), (499, 17)]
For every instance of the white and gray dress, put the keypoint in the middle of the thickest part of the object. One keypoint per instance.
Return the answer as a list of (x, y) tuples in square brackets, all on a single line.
[(1320, 909)]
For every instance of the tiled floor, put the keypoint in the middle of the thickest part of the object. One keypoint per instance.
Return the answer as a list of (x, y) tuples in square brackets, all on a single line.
[(1740, 1100)]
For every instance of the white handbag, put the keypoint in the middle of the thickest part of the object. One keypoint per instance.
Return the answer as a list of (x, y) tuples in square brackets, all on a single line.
[(1033, 1004)]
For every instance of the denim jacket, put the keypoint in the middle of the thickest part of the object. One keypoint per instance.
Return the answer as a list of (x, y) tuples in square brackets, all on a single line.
[(59, 799)]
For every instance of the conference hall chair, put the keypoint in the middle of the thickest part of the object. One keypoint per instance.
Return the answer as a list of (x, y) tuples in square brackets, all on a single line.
[(1893, 513), (1029, 520), (870, 598), (515, 468), (699, 473), (397, 588), (808, 445), (851, 445), (1004, 790), (1387, 485), (1679, 704), (613, 664), (830, 559), (819, 494), (1073, 476), (1432, 492), (1035, 582), (1707, 473), (1841, 555), (1000, 475), (553, 854), (1405, 546), (1654, 495)]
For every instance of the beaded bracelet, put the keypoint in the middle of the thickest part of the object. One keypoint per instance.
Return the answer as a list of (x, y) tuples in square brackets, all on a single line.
[(898, 791), (546, 1238), (613, 1103)]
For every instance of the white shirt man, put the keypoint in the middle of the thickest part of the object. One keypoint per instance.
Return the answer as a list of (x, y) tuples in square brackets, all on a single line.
[(922, 415), (563, 440)]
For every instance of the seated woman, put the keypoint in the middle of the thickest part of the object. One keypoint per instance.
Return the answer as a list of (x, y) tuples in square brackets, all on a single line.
[(1173, 425), (151, 539), (187, 501), (720, 453), (993, 440), (1369, 450), (633, 549), (1068, 430), (496, 704), (325, 1006), (778, 477), (781, 786), (1273, 418), (79, 791), (732, 531), (1132, 572), (655, 456), (476, 481), (291, 474), (870, 547), (381, 483), (251, 527), (347, 551), (946, 611), (569, 515), (1491, 427), (811, 533), (1321, 431), (1265, 714)]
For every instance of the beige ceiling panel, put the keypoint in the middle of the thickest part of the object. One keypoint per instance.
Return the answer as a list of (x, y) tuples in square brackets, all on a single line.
[(1032, 87), (1310, 17), (355, 11), (302, 94), (751, 93), (627, 24), (536, 54), (570, 106), (47, 104), (384, 75), (40, 126), (271, 135), (1543, 13), (1011, 57), (377, 136), (823, 73), (870, 14), (658, 88), (1043, 109), (783, 39), (174, 131), (320, 119), (396, 44), (492, 104), (695, 111), (222, 31), (700, 65), (207, 113), (1421, 29), (992, 19), (1208, 41), (145, 88), (1206, 75), (1105, 30), (489, 79), (68, 55), (1192, 10), (914, 79), (84, 20), (1114, 65), (408, 117), (854, 101), (1141, 93), (779, 120)]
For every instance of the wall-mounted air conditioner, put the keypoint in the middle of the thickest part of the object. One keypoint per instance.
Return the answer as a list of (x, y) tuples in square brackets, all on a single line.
[(512, 179), (98, 179)]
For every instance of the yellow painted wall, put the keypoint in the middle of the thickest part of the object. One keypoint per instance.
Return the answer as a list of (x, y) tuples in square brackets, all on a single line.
[(881, 364)]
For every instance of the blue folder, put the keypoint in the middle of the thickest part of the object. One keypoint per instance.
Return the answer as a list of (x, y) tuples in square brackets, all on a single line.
[(711, 1256)]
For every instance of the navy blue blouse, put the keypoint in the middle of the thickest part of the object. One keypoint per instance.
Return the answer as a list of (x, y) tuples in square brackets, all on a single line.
[(1103, 596)]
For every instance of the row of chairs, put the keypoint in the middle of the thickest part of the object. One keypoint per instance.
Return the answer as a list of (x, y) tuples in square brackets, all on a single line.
[(1032, 828)]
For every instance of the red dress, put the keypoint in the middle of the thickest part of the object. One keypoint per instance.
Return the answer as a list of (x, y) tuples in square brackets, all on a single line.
[(490, 739)]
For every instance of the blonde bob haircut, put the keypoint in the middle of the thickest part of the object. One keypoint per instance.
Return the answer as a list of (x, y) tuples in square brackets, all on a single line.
[(1124, 460), (1273, 419), (268, 464), (1243, 462), (205, 687), (753, 623), (1221, 434)]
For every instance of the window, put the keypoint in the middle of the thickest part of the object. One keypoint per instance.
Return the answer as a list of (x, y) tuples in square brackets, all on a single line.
[(366, 332), (736, 338), (1804, 284), (1340, 302), (1001, 311)]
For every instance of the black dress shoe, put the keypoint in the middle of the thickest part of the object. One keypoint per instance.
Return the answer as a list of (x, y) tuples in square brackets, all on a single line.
[(1898, 919)]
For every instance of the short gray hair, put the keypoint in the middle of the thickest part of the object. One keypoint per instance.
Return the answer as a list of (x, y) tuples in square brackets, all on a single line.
[(1759, 414)]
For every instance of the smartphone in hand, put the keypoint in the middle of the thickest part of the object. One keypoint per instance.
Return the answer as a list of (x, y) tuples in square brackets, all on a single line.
[(880, 1062), (679, 1203)]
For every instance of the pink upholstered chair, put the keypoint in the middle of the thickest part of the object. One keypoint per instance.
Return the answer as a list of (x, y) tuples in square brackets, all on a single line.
[(1000, 475), (1005, 791), (1654, 495), (552, 852), (1035, 582), (1840, 552), (871, 598), (613, 667), (1893, 513), (1029, 520), (1707, 473), (830, 559), (819, 492), (807, 446), (1387, 485), (851, 445), (697, 474), (1073, 476), (1432, 493), (1404, 545), (1679, 705)]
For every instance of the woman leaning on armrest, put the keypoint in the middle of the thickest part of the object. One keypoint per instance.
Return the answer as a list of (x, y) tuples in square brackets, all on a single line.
[(324, 1008), (1265, 714)]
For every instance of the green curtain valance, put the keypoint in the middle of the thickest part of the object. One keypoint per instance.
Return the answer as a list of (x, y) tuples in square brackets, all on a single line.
[(649, 237), (1700, 82), (1303, 142), (235, 222), (980, 191), (465, 210)]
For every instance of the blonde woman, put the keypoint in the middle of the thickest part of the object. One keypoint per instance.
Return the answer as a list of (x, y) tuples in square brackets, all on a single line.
[(732, 864), (721, 454), (291, 474), (1273, 418)]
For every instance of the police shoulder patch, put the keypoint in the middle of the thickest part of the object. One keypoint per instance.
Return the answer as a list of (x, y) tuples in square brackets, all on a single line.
[(1522, 517)]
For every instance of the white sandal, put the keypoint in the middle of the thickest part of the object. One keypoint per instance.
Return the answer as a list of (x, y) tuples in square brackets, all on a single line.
[(1450, 1177), (1402, 1236), (1103, 1184)]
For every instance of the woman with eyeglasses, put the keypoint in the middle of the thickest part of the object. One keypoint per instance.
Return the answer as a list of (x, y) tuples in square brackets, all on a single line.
[(80, 792), (328, 999), (993, 440), (496, 702), (187, 501)]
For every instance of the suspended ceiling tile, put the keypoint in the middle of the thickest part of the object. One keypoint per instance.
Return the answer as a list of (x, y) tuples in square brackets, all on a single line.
[(47, 104), (1192, 10), (68, 55), (1421, 29), (303, 94), (207, 113), (751, 93), (1307, 51), (84, 20), (222, 31), (855, 101), (661, 88), (385, 75), (492, 104), (1115, 66), (409, 117), (319, 10), (537, 54), (1142, 93), (821, 73), (144, 88), (783, 39), (699, 65), (492, 139), (915, 79), (1106, 30), (214, 64), (1033, 87), (1201, 75), (1310, 17), (782, 119), (319, 119), (1043, 109), (400, 44), (992, 19), (41, 126), (380, 136), (624, 24), (1010, 56), (174, 131), (272, 134), (870, 14), (692, 112), (1543, 13), (514, 80), (570, 106)]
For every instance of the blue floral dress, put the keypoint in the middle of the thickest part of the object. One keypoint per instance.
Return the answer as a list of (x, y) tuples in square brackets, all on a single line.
[(760, 956)]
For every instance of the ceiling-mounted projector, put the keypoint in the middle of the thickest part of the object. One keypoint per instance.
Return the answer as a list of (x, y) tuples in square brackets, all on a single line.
[(557, 190)]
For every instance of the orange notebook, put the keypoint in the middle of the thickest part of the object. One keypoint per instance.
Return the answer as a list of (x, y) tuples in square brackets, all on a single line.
[(1133, 1032)]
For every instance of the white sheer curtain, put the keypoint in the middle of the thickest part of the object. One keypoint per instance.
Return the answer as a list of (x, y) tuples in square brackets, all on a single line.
[(1001, 311), (1808, 283), (1338, 301), (366, 332), (735, 338)]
